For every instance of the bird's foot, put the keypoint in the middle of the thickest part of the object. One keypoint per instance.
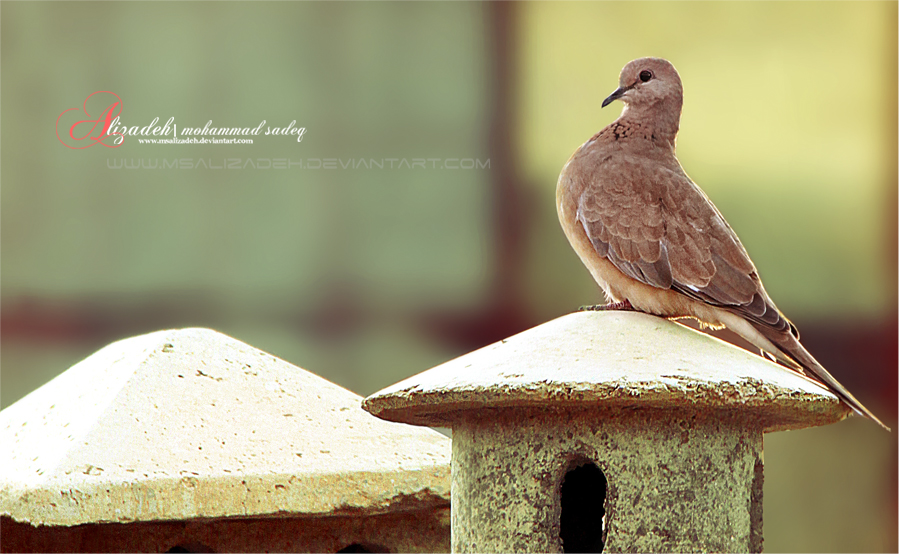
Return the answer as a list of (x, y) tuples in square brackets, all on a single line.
[(623, 306)]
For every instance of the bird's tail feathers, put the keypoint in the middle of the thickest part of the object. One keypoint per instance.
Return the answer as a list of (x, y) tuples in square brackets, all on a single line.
[(797, 355)]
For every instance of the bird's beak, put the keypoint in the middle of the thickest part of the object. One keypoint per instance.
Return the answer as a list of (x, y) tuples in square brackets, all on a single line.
[(615, 96)]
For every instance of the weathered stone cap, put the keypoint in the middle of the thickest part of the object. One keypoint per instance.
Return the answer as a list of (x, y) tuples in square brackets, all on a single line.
[(610, 360), (191, 423)]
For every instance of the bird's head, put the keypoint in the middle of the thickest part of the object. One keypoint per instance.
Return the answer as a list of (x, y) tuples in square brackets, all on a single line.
[(646, 82)]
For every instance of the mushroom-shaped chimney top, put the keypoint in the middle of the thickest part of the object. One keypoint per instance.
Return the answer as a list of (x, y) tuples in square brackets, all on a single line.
[(611, 360)]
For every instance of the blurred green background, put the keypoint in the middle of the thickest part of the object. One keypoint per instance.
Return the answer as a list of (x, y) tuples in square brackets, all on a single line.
[(367, 276)]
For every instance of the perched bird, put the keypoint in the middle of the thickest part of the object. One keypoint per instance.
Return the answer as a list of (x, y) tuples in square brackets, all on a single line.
[(654, 241)]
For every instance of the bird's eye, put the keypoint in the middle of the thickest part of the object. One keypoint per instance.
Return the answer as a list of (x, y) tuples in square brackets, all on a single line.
[(645, 75)]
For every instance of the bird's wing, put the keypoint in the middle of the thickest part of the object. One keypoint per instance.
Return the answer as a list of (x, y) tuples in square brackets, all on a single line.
[(658, 227)]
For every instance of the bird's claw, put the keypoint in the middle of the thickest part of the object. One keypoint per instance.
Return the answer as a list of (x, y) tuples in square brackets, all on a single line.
[(623, 306)]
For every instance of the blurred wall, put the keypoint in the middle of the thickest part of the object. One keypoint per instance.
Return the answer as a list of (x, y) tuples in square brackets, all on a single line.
[(321, 266), (366, 275)]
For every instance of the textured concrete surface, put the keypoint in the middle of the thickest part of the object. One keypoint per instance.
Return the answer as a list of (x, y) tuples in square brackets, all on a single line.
[(672, 417), (418, 531), (191, 423), (621, 359), (675, 484)]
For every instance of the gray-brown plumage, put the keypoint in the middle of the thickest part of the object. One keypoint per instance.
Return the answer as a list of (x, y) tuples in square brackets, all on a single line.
[(651, 238)]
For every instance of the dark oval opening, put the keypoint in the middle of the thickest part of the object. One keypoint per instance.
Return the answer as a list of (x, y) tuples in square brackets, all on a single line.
[(363, 547), (190, 547), (583, 509)]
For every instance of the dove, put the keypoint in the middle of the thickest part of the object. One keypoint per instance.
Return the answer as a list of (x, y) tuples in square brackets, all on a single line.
[(653, 240)]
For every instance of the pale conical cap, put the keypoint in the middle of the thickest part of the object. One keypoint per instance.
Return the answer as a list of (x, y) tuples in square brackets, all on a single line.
[(192, 423), (610, 360)]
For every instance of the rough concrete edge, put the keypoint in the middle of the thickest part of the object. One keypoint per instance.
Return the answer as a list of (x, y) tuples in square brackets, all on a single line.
[(773, 408), (277, 496)]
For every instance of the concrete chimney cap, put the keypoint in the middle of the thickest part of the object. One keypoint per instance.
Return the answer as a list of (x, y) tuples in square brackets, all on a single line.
[(192, 423), (610, 360)]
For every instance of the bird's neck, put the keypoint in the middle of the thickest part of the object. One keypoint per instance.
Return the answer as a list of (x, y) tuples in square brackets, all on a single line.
[(655, 123)]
